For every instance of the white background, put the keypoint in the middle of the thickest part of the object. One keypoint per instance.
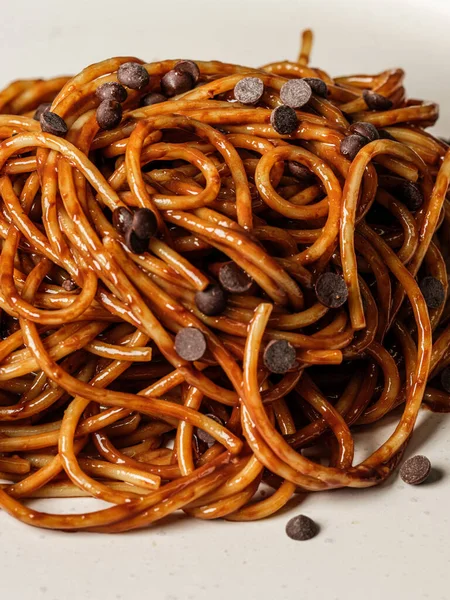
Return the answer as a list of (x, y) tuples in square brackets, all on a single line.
[(385, 543)]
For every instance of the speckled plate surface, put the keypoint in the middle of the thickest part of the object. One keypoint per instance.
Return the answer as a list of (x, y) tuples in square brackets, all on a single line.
[(378, 544)]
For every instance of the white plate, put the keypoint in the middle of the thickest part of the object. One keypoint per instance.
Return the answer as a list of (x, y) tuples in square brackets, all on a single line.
[(378, 544)]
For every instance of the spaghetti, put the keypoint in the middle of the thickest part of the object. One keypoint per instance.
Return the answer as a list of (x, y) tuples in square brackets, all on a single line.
[(206, 269)]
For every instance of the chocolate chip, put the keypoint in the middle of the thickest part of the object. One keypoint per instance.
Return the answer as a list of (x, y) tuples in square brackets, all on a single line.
[(366, 130), (135, 244), (122, 219), (42, 108), (331, 290), (376, 101), (176, 82), (295, 93), (152, 98), (198, 446), (415, 470), (352, 144), (111, 90), (53, 123), (410, 194), (317, 86), (249, 90), (133, 75), (211, 301), (144, 223), (69, 285), (233, 279), (433, 291), (203, 435), (284, 120), (138, 227), (189, 66), (279, 356), (298, 171), (445, 379), (109, 114), (301, 528), (190, 344)]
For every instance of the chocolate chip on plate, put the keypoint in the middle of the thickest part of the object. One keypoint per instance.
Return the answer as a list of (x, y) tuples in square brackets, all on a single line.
[(445, 379), (190, 344), (295, 93), (111, 90), (176, 82), (301, 528), (331, 290), (109, 114), (152, 98), (144, 223), (211, 301), (366, 130), (203, 435), (415, 470), (122, 218), (317, 86), (279, 356), (409, 193), (284, 120), (376, 101), (189, 66), (298, 171), (42, 108), (433, 291), (233, 279), (249, 90), (352, 144), (133, 75), (53, 123)]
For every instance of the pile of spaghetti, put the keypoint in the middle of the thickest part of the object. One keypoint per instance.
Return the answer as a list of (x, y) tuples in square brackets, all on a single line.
[(207, 269)]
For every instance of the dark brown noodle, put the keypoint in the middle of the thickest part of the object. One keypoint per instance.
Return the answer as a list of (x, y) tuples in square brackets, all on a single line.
[(94, 399)]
